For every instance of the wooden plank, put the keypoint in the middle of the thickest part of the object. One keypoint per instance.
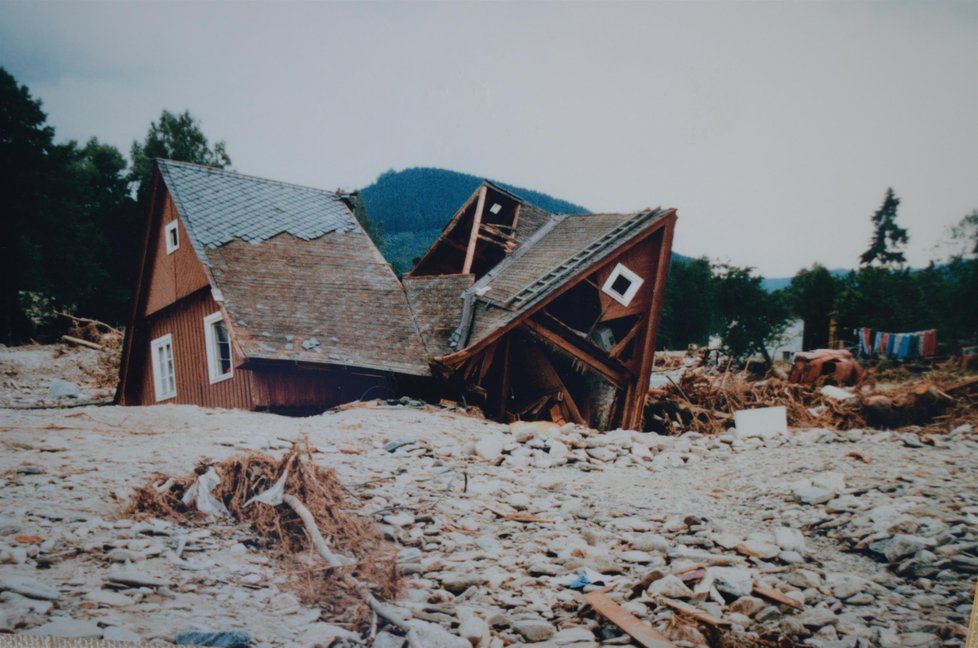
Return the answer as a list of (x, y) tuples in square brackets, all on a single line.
[(614, 376), (777, 596), (474, 235), (503, 395), (641, 632), (634, 409), (692, 612), (621, 344)]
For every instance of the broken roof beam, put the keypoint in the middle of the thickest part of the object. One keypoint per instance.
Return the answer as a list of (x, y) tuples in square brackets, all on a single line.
[(577, 347), (473, 237)]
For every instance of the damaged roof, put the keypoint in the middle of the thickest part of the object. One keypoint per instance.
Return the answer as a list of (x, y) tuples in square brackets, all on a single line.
[(545, 262), (218, 206), (298, 276)]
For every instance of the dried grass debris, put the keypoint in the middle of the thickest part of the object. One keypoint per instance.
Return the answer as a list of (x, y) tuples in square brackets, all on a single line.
[(281, 530)]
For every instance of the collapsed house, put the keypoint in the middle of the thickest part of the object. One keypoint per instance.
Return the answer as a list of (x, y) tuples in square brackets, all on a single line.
[(257, 294)]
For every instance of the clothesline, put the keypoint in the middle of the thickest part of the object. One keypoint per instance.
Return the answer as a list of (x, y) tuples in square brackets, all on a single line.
[(916, 344)]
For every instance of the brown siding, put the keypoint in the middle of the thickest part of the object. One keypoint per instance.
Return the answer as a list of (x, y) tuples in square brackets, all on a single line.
[(298, 388), (185, 323), (174, 275)]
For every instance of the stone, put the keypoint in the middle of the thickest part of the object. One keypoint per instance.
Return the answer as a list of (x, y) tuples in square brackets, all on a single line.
[(432, 635), (456, 583), (770, 613), (920, 640), (670, 586), (134, 578), (817, 617), (747, 605), (758, 548), (29, 587), (731, 580), (812, 494), (324, 634), (830, 480), (558, 451), (911, 440), (69, 628), (845, 585), (789, 539), (900, 546), (519, 501), (649, 542), (534, 629), (109, 599), (472, 628), (667, 460), (63, 389), (490, 446), (388, 640), (636, 557), (571, 636), (399, 520)]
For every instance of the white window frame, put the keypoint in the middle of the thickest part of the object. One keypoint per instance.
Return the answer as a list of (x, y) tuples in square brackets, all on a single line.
[(210, 342), (626, 297), (164, 384), (172, 235)]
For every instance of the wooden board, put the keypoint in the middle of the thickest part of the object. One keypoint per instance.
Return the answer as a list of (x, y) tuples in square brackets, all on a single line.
[(641, 632)]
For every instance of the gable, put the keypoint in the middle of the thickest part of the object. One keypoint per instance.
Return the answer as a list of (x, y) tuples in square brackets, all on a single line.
[(487, 228), (173, 274)]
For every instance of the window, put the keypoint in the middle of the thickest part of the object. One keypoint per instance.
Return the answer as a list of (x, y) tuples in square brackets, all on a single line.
[(622, 285), (172, 234), (218, 344), (164, 379)]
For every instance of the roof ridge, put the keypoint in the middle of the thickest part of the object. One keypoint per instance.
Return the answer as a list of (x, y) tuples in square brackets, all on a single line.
[(231, 172)]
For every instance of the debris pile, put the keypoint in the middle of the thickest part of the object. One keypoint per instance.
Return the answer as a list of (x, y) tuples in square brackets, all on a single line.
[(252, 489), (705, 402)]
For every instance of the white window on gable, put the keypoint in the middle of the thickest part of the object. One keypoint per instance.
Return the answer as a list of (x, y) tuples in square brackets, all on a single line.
[(218, 344), (622, 285), (172, 235), (164, 377)]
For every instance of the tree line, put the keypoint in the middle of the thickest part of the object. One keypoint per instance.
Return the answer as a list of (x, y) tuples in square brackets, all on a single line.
[(704, 298), (74, 213)]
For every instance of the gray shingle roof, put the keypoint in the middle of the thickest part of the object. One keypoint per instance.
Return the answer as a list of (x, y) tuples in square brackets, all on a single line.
[(219, 206)]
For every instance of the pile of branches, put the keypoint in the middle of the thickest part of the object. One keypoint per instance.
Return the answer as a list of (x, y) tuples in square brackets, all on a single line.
[(247, 487), (704, 401), (102, 337)]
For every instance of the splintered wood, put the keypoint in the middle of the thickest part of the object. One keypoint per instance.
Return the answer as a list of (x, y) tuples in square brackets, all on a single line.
[(704, 401)]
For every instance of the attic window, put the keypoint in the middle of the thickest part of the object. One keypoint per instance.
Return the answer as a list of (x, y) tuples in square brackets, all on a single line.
[(172, 235), (218, 344), (622, 285), (495, 209)]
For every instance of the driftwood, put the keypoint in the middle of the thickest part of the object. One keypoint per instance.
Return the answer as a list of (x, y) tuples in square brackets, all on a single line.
[(641, 632), (70, 339)]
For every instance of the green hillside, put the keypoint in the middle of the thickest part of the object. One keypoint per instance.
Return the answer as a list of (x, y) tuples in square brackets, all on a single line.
[(413, 206)]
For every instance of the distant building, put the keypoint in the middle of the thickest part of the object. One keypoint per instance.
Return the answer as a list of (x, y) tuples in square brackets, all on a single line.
[(257, 294)]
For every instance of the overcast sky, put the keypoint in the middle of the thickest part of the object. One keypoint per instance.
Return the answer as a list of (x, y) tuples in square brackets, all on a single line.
[(774, 128)]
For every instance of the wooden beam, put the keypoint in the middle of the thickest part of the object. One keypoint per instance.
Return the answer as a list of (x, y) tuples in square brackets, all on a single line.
[(616, 377), (474, 235), (621, 344), (637, 393), (503, 396), (641, 632)]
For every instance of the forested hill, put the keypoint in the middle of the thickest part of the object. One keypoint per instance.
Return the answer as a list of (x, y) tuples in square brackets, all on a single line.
[(424, 198)]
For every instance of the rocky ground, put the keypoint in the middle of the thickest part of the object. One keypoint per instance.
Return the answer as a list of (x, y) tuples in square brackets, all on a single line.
[(861, 538)]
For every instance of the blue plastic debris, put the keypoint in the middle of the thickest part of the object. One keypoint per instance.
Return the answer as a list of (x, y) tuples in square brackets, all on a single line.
[(220, 638)]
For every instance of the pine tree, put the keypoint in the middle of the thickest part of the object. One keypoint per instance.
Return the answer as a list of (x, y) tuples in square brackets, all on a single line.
[(887, 235)]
